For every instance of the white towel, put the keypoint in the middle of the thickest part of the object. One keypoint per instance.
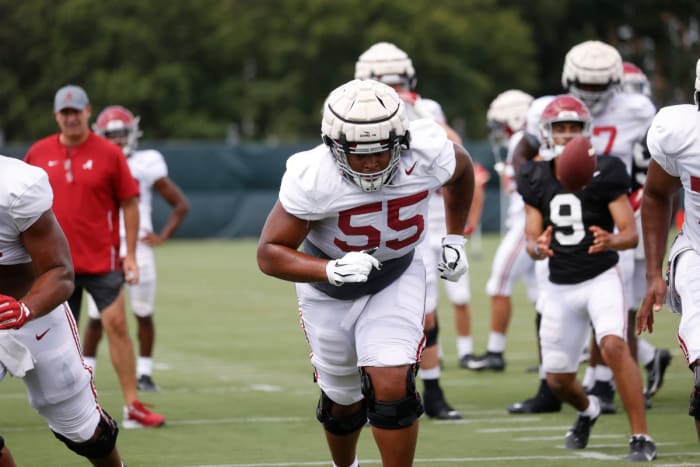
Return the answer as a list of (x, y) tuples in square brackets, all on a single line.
[(14, 355)]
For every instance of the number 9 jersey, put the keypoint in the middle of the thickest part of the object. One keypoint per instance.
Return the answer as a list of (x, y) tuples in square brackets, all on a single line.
[(572, 214)]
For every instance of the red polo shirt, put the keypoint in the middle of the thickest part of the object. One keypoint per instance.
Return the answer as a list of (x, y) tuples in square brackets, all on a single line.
[(89, 182)]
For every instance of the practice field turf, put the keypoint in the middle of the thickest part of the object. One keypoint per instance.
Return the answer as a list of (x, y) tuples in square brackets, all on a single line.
[(237, 390)]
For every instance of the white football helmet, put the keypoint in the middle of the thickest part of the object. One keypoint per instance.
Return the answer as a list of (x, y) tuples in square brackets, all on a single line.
[(696, 95), (506, 115), (634, 80), (364, 117), (118, 124), (388, 64), (564, 108), (592, 72)]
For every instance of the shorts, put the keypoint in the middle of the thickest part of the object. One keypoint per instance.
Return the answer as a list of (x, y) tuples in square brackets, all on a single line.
[(104, 289)]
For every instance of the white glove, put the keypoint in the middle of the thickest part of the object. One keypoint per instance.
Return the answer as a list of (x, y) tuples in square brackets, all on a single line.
[(353, 267), (454, 261)]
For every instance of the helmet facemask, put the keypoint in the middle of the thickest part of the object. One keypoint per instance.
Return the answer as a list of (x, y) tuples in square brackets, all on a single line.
[(365, 117), (595, 100)]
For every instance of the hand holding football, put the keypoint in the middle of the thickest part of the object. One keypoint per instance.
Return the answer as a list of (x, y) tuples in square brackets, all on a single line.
[(576, 164)]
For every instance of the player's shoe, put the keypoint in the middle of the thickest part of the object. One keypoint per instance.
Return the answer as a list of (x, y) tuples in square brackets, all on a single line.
[(145, 383), (578, 434), (545, 401), (138, 416), (489, 361), (437, 407), (465, 359), (642, 449), (656, 370), (605, 392)]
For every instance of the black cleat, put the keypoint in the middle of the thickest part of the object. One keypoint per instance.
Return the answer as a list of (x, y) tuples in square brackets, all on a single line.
[(489, 361), (545, 401), (578, 434), (145, 383), (465, 359), (656, 370), (605, 392), (642, 449), (437, 407)]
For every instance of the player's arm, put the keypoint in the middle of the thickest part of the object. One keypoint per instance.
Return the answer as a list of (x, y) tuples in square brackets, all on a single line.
[(52, 263), (130, 212), (458, 192), (174, 196), (537, 238), (277, 249), (524, 151), (657, 209), (626, 235)]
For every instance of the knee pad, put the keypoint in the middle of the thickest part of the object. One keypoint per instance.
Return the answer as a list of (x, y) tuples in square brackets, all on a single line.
[(694, 405), (431, 335), (100, 447), (339, 426), (393, 415)]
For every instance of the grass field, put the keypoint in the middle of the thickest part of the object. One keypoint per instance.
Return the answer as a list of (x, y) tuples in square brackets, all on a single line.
[(236, 384)]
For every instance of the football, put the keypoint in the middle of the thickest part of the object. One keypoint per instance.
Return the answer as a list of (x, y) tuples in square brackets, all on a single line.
[(576, 164)]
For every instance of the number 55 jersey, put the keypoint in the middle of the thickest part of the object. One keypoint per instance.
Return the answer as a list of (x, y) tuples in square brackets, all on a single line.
[(345, 218)]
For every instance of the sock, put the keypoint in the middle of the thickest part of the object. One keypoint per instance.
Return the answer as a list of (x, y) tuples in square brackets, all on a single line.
[(588, 377), (645, 352), (355, 463), (144, 366), (497, 342), (465, 345), (429, 374), (593, 408), (92, 363), (603, 373)]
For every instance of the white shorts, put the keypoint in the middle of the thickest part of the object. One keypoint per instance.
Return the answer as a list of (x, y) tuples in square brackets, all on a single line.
[(510, 263), (380, 330), (59, 387), (568, 311), (457, 292), (142, 296), (686, 287)]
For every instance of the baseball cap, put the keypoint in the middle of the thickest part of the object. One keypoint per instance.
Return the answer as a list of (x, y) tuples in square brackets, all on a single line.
[(70, 97)]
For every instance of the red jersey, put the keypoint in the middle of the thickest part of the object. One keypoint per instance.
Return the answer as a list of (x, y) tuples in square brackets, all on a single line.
[(89, 182)]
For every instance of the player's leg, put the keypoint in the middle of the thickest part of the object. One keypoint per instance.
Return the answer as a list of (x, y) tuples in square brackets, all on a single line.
[(563, 334), (142, 300), (60, 389), (436, 405), (609, 315), (93, 333), (459, 295)]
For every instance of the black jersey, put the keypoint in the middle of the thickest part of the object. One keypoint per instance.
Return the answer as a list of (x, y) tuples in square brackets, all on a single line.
[(571, 214)]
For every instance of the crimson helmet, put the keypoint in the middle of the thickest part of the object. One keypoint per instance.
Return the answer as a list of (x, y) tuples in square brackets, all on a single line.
[(634, 80), (119, 125), (564, 108)]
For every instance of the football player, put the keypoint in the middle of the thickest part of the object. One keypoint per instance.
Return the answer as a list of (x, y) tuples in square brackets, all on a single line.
[(118, 124), (37, 328), (593, 72), (675, 150), (387, 63), (358, 203), (580, 234)]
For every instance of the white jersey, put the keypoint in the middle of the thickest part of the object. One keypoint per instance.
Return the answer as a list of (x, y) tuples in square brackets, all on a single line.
[(622, 124), (25, 194), (147, 167), (347, 218), (674, 143)]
